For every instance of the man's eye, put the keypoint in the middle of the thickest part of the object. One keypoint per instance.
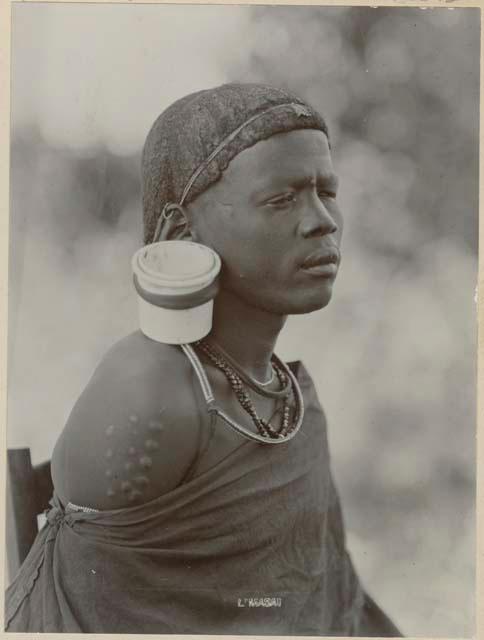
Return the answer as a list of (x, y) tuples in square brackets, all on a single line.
[(327, 195), (288, 198)]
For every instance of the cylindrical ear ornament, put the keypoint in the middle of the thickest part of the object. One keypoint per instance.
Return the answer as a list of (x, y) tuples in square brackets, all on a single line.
[(176, 282)]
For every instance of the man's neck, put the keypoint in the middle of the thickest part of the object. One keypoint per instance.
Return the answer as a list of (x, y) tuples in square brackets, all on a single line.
[(248, 334)]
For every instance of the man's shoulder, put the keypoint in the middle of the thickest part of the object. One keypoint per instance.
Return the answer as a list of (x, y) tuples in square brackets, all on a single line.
[(137, 356), (148, 376), (302, 375), (137, 420), (308, 386)]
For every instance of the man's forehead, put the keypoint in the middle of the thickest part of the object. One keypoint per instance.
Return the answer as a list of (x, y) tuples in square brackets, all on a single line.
[(285, 153)]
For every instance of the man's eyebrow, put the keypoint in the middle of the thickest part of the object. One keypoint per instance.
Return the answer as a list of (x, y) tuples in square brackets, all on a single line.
[(329, 179)]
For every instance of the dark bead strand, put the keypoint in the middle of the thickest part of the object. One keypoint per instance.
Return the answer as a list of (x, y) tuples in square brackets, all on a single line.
[(260, 389), (285, 427), (263, 426), (236, 384)]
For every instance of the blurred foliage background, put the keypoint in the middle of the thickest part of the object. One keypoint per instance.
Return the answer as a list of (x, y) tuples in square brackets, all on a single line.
[(393, 356)]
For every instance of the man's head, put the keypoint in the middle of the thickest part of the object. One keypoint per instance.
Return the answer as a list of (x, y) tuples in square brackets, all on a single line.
[(251, 167)]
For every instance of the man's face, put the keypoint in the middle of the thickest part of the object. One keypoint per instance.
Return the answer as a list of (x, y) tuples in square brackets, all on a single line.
[(274, 221)]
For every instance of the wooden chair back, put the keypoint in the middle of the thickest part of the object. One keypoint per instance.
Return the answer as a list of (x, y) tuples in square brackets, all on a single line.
[(29, 489)]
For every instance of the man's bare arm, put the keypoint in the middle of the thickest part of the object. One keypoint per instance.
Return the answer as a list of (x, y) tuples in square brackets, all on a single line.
[(134, 432)]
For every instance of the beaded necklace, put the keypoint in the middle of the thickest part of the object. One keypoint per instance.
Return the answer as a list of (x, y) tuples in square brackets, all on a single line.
[(264, 427), (258, 387)]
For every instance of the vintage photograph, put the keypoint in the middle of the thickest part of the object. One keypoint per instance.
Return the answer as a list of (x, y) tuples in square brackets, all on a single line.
[(242, 320)]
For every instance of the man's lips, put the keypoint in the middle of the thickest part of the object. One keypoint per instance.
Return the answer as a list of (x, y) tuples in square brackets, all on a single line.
[(322, 262)]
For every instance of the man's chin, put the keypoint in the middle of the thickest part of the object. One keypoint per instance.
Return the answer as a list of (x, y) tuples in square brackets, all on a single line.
[(310, 308), (310, 303)]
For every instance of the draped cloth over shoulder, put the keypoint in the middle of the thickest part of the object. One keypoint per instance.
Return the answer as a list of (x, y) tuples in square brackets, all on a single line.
[(255, 545)]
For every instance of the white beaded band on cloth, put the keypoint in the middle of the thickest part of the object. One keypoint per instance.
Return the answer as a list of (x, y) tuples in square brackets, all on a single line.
[(170, 207)]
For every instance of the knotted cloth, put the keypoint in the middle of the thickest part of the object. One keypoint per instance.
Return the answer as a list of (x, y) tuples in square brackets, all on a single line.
[(193, 141)]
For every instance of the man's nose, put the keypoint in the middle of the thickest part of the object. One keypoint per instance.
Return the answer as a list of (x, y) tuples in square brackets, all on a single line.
[(316, 220)]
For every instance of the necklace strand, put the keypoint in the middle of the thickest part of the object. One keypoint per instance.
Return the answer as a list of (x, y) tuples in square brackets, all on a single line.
[(268, 382), (258, 387), (264, 427)]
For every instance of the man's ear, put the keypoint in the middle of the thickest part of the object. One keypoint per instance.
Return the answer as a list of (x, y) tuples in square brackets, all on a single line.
[(176, 226)]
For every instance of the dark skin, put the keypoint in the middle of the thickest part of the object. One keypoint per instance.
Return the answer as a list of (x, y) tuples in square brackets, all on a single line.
[(274, 206)]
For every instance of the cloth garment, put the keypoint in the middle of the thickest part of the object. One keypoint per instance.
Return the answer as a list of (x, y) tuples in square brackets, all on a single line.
[(185, 135), (264, 525)]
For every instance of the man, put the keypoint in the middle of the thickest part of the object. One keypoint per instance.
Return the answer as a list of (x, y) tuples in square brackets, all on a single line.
[(165, 519)]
